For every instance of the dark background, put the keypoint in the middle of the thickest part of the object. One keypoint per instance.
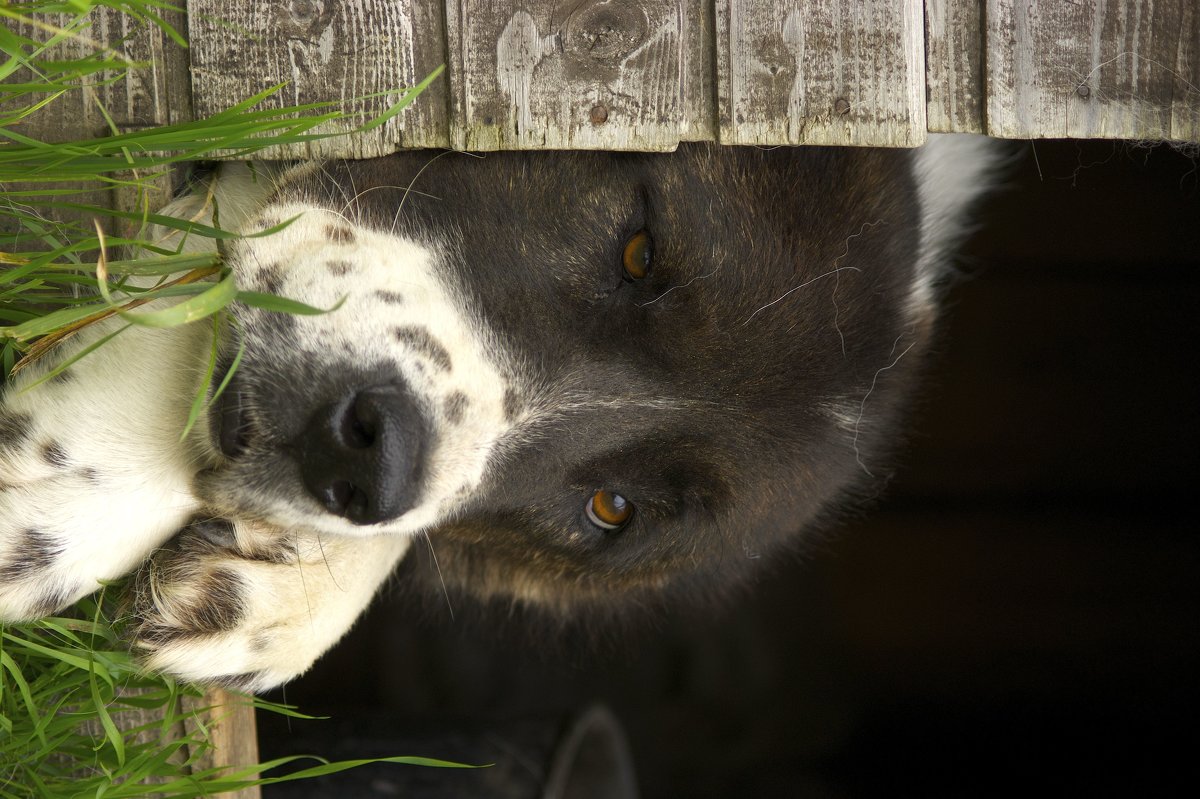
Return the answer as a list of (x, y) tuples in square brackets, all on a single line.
[(1018, 611)]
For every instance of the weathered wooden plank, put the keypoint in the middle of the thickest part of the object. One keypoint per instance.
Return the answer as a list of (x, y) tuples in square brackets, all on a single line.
[(228, 727), (601, 74), (954, 48), (232, 735), (1094, 69), (700, 75), (821, 72), (155, 92), (325, 51)]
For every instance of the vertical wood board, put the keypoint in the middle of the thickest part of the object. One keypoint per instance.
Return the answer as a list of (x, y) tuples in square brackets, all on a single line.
[(324, 50), (1094, 69), (232, 734), (154, 92), (954, 80), (598, 74), (821, 72)]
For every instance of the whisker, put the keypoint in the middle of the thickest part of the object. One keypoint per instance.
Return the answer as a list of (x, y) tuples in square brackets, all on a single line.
[(441, 579), (328, 568), (416, 177), (838, 279), (862, 405), (797, 288), (681, 286)]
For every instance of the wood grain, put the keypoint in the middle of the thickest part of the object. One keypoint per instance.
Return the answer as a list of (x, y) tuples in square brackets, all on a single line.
[(821, 72), (954, 80), (325, 51), (232, 734), (1094, 69), (601, 74), (155, 92)]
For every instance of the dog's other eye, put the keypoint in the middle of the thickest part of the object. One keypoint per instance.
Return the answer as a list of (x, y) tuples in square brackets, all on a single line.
[(608, 511), (638, 256)]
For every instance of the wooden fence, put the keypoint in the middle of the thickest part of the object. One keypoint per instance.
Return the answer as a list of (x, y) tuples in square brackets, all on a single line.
[(647, 74)]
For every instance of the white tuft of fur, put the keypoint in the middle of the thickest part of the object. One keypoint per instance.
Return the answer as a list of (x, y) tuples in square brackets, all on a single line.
[(952, 171)]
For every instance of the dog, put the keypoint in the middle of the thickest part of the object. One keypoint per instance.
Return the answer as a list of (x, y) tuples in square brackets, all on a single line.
[(587, 379)]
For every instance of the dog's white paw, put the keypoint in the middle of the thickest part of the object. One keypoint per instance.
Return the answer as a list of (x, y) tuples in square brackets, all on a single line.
[(249, 606), (93, 474), (64, 536)]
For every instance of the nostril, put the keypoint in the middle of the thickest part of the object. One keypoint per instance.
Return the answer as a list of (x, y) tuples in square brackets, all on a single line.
[(343, 498), (336, 496), (355, 424)]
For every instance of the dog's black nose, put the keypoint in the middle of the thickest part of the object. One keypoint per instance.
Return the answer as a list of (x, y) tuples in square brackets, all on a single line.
[(361, 455)]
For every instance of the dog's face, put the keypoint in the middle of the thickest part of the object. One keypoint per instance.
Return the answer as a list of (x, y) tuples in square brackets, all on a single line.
[(580, 375)]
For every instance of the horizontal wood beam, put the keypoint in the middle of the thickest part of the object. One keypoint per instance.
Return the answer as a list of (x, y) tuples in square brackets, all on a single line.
[(647, 74)]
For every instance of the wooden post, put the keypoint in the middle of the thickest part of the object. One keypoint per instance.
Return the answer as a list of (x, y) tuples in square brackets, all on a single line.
[(232, 735)]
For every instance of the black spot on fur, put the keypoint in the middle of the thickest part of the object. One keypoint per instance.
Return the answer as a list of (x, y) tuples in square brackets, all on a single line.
[(456, 405), (271, 277), (390, 297), (14, 429), (53, 600), (339, 268), (512, 405), (90, 474), (35, 551), (218, 605), (341, 234), (239, 682), (420, 340), (63, 377), (279, 325), (55, 455), (215, 531)]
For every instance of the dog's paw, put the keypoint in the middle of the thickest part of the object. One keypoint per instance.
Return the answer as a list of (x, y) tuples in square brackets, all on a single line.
[(93, 472), (65, 533), (250, 606), (54, 549)]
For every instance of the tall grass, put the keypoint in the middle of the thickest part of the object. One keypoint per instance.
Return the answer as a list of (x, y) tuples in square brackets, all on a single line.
[(68, 687), (74, 712)]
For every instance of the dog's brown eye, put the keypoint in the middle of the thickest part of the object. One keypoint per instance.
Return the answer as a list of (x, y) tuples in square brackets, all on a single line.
[(608, 511), (638, 255)]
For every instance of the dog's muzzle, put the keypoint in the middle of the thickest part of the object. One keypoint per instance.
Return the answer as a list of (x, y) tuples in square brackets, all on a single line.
[(360, 456)]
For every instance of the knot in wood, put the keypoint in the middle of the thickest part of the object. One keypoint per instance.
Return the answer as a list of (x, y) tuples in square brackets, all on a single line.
[(1083, 90), (306, 17), (605, 30), (841, 106), (599, 115)]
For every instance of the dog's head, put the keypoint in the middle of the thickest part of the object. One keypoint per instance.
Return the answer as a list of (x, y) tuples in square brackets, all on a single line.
[(580, 374)]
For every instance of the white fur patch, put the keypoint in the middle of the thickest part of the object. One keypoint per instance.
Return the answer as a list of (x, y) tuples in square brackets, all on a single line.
[(102, 475), (325, 259), (952, 171)]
